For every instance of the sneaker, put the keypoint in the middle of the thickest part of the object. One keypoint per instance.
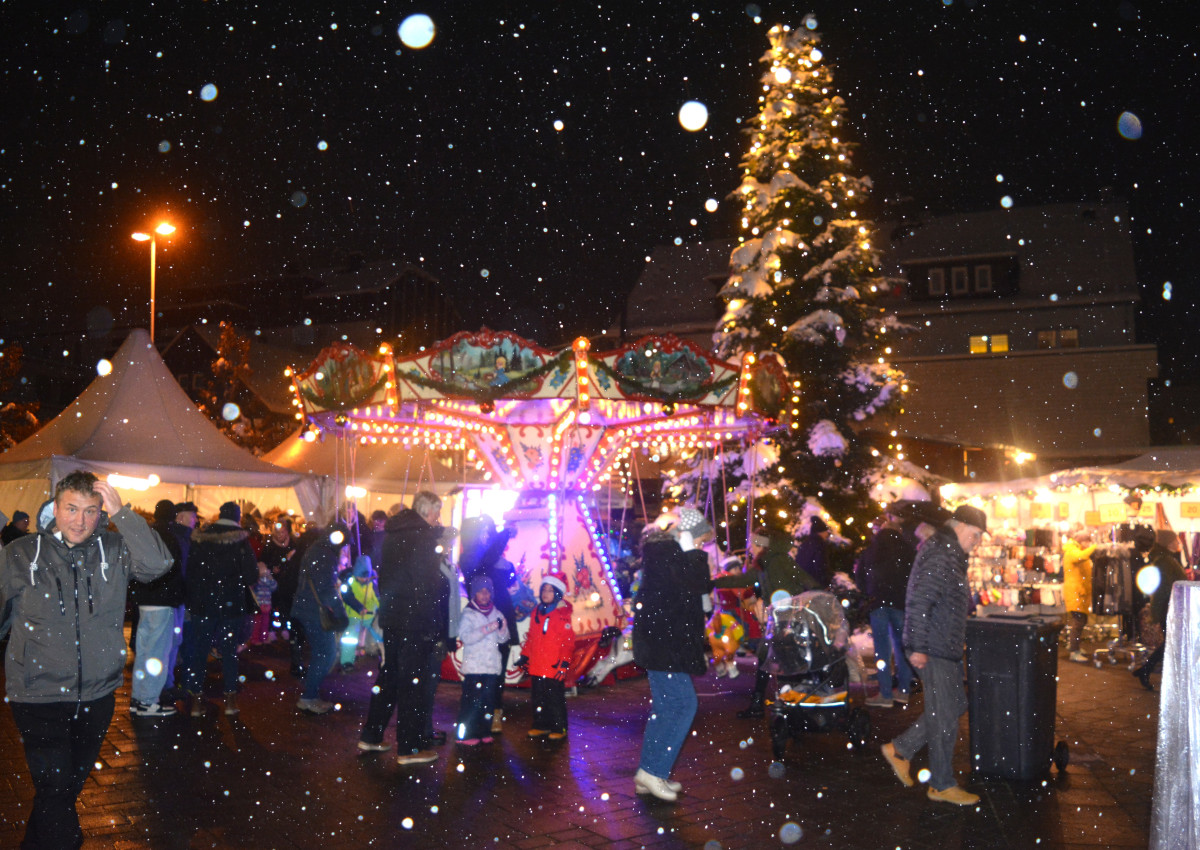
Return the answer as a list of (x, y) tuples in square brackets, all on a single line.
[(901, 767), (537, 733), (880, 702), (648, 783), (731, 670), (314, 706), (367, 747), (557, 736), (720, 670), (422, 757), (151, 709), (954, 795), (1080, 657), (900, 697)]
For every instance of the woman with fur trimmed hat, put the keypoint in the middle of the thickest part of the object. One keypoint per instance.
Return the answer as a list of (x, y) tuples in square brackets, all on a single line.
[(669, 642), (549, 645)]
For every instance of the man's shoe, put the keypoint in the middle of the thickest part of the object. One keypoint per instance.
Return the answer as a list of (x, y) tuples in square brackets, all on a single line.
[(880, 702), (901, 767), (900, 697), (367, 747), (231, 706), (648, 783), (1143, 676), (1080, 657), (151, 709), (422, 757), (498, 720), (954, 795), (754, 709), (314, 706), (537, 733)]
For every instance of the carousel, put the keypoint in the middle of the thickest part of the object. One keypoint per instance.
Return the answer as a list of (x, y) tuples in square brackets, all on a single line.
[(551, 437)]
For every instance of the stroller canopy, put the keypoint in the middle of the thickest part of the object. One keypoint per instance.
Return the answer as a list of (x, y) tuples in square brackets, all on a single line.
[(806, 634)]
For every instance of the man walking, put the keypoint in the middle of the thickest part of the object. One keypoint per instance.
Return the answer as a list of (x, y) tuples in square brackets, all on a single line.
[(66, 655), (935, 626), (157, 603), (410, 584)]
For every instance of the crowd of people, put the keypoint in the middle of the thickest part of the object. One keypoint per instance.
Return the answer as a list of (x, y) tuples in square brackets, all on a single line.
[(202, 591)]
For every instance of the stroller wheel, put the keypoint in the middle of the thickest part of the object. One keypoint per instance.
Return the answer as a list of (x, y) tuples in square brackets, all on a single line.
[(858, 728), (779, 736)]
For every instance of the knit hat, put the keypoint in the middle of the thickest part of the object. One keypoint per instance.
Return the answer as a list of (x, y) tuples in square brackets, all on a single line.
[(231, 511), (164, 510), (480, 582), (1166, 538), (18, 516), (971, 515), (691, 520), (557, 580)]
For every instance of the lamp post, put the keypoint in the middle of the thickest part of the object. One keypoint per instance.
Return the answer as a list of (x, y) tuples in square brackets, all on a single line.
[(163, 229)]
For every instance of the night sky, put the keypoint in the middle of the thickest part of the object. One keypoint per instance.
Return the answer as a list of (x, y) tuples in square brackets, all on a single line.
[(328, 135)]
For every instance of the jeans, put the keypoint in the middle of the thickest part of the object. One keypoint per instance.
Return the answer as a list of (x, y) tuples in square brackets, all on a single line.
[(403, 675), (887, 628), (176, 649), (475, 711), (323, 651), (62, 741), (937, 727), (156, 628), (672, 709), (207, 632)]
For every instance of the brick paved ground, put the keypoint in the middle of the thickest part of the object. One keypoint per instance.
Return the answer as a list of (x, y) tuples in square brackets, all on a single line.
[(273, 778)]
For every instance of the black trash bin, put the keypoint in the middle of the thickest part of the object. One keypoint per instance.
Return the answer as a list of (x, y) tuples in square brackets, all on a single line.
[(1012, 671)]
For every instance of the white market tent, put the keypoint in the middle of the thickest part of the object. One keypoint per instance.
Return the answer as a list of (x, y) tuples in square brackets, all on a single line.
[(388, 473), (136, 421), (1174, 468)]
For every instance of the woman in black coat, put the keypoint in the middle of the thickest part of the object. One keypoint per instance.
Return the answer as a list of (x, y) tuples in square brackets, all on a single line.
[(668, 641)]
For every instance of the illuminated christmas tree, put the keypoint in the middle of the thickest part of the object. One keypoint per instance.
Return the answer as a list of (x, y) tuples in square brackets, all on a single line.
[(804, 279)]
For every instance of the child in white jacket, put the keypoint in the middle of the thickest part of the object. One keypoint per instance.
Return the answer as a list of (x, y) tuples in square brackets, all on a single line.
[(481, 629)]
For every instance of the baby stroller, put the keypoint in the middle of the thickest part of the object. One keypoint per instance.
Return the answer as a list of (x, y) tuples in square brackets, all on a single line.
[(808, 638)]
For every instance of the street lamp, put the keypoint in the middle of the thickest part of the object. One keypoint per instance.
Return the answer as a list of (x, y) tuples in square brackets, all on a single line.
[(163, 229)]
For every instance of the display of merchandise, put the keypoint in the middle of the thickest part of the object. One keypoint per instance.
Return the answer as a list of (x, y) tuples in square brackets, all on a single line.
[(1018, 572)]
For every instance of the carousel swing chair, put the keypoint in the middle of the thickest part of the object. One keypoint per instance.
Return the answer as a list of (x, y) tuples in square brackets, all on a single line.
[(808, 639)]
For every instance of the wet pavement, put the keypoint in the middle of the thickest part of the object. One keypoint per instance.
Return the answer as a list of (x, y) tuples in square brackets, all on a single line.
[(275, 778)]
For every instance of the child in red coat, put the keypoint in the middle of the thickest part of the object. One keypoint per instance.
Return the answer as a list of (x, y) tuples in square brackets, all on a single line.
[(547, 655)]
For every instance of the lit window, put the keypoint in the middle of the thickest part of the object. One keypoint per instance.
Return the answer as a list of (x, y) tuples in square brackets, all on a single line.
[(1046, 339), (1068, 338), (979, 345), (999, 342)]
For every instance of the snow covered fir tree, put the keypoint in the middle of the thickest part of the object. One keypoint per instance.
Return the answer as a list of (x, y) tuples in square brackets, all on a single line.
[(803, 284)]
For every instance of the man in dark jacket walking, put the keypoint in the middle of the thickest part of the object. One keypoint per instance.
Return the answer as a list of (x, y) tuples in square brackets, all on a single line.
[(410, 584), (935, 626), (885, 566), (66, 656), (221, 570), (156, 603)]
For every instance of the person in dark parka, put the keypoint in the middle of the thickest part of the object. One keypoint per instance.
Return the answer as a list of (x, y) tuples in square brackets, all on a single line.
[(669, 642)]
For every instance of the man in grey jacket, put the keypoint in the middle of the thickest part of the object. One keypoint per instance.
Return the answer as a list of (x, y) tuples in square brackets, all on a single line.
[(66, 655), (935, 625)]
